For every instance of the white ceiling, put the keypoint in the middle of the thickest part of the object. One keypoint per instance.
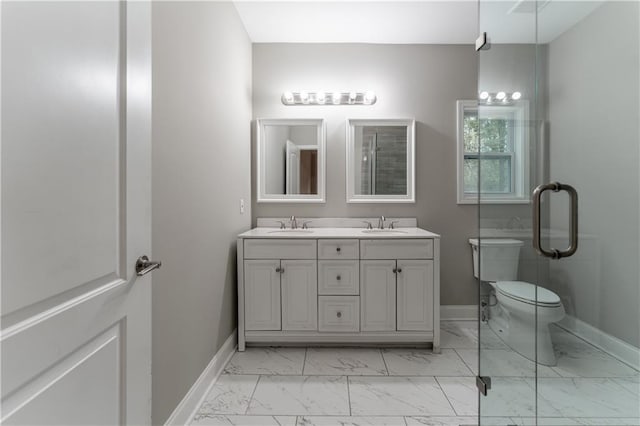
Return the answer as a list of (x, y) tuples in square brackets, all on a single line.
[(426, 21)]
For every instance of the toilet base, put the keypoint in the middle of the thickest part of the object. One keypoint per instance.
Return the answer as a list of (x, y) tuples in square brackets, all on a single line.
[(521, 336)]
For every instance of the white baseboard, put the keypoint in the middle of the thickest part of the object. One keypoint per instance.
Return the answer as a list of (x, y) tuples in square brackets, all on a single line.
[(459, 312), (615, 347), (185, 411)]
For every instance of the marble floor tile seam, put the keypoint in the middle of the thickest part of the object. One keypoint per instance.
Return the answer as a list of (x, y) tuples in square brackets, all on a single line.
[(445, 395), (384, 361), (349, 397), (470, 367), (252, 395), (354, 376)]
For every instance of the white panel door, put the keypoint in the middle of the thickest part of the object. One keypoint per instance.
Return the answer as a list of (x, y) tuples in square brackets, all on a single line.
[(76, 152), (299, 295), (415, 295), (293, 168), (377, 295), (262, 294)]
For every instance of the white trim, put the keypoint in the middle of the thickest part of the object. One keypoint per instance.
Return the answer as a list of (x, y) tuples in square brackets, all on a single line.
[(615, 347), (352, 197), (186, 409), (459, 312)]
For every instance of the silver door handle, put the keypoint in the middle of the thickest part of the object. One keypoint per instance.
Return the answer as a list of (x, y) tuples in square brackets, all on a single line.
[(573, 220), (144, 265)]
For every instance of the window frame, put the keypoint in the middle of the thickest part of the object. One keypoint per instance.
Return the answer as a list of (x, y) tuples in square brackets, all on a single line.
[(519, 193)]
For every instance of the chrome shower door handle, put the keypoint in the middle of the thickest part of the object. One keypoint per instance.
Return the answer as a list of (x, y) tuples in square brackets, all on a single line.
[(573, 220), (144, 265)]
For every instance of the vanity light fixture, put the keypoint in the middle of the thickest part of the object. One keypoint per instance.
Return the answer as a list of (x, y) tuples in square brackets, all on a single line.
[(336, 98), (499, 98)]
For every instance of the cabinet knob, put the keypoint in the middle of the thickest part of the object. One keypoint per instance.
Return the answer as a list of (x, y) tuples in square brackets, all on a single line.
[(395, 270), (399, 270), (339, 314), (278, 269), (338, 249), (338, 278)]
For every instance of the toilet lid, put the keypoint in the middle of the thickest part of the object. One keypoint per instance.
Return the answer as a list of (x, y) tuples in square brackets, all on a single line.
[(526, 292)]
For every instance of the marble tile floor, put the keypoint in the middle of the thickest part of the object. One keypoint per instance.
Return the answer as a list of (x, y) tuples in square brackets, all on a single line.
[(369, 386)]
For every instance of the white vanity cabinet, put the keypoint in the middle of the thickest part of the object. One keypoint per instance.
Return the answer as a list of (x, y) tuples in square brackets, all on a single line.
[(338, 286), (280, 284), (398, 284)]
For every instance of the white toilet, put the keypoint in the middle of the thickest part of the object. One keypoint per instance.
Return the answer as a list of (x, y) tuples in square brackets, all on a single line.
[(514, 317)]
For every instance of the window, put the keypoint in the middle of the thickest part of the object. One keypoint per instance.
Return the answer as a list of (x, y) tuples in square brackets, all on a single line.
[(492, 148)]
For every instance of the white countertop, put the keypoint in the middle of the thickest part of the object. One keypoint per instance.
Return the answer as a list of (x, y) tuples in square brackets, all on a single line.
[(360, 233)]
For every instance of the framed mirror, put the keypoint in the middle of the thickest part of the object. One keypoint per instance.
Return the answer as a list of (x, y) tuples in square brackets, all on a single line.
[(291, 160), (381, 161)]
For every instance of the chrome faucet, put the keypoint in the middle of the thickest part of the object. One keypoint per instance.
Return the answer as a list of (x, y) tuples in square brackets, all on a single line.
[(294, 222), (381, 222)]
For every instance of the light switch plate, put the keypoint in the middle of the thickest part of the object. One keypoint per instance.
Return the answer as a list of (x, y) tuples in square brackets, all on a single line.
[(241, 205)]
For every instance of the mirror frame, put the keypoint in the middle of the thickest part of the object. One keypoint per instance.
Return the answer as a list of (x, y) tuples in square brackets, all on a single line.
[(262, 196), (410, 197)]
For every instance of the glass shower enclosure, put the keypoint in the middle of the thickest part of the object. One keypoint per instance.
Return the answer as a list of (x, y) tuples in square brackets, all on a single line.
[(552, 157)]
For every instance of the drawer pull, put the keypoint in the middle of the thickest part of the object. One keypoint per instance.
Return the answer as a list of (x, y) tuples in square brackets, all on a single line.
[(338, 278), (338, 249), (339, 314)]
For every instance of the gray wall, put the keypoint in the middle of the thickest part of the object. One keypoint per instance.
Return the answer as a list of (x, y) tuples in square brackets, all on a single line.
[(593, 72), (411, 81), (201, 151)]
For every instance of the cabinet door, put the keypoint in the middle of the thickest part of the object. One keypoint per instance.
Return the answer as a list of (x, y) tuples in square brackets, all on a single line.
[(299, 295), (415, 295), (262, 294), (377, 295)]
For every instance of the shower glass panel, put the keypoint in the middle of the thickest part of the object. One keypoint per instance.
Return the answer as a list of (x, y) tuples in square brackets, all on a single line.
[(559, 334)]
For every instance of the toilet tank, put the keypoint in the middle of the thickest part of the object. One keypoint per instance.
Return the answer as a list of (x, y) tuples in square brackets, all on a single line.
[(498, 260)]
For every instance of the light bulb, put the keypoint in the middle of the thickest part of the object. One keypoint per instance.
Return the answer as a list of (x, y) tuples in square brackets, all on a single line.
[(516, 95), (320, 97), (369, 97), (484, 95), (336, 97), (500, 96), (489, 100), (304, 97), (353, 96), (288, 97)]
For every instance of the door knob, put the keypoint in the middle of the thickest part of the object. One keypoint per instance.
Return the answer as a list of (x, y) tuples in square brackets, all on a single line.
[(144, 265)]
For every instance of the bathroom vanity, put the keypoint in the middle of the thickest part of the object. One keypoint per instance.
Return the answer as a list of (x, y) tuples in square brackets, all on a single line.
[(339, 284)]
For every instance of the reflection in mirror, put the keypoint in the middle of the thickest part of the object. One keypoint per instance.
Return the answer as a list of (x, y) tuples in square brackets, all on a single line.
[(381, 155), (380, 165), (291, 164)]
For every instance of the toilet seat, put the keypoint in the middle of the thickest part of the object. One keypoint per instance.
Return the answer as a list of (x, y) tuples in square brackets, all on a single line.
[(526, 293)]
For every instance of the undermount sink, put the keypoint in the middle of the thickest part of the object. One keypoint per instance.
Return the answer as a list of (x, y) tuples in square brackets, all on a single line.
[(383, 231), (292, 231)]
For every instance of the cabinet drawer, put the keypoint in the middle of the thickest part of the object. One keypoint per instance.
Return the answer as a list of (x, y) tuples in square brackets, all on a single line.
[(338, 249), (279, 249), (339, 313), (397, 249), (338, 277)]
